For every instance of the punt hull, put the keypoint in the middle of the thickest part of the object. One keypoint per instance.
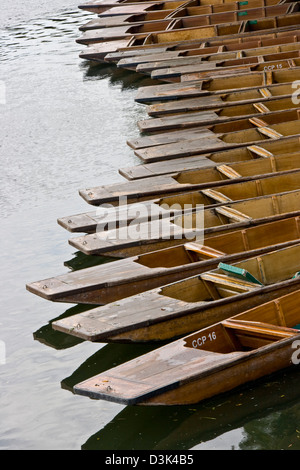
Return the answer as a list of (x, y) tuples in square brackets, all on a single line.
[(210, 195), (108, 283), (212, 361), (186, 306), (273, 25)]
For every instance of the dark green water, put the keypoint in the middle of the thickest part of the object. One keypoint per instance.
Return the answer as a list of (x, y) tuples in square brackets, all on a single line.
[(64, 127)]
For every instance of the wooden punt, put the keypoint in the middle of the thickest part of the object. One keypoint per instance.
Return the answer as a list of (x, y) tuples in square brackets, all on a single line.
[(233, 115), (279, 158), (116, 17), (124, 6), (283, 61), (194, 225), (261, 97), (245, 347), (190, 304), (100, 6), (205, 140), (194, 162), (103, 21), (110, 282), (203, 179), (240, 62), (211, 91), (244, 30), (181, 203), (176, 66), (130, 58), (179, 33), (146, 63), (186, 19)]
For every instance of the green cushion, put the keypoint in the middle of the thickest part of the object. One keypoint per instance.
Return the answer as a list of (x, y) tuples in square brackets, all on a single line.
[(238, 272)]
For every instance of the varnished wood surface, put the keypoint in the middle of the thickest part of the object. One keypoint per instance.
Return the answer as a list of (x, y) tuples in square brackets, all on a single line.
[(198, 366), (223, 134), (272, 25), (194, 162), (185, 19), (197, 143), (166, 232), (221, 115), (215, 189), (133, 57), (190, 304), (110, 282), (148, 63)]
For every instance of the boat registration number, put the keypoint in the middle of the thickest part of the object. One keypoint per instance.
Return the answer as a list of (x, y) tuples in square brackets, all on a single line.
[(202, 340), (272, 67)]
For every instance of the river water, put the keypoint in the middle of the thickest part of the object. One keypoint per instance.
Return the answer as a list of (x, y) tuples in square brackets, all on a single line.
[(64, 127)]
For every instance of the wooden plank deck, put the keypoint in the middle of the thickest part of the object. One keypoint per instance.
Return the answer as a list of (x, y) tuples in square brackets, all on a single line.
[(185, 306), (158, 234)]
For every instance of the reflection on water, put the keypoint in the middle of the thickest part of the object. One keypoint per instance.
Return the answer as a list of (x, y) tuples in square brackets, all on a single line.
[(64, 127), (267, 412)]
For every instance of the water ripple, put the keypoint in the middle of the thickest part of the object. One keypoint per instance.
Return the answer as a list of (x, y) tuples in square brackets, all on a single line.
[(24, 36)]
